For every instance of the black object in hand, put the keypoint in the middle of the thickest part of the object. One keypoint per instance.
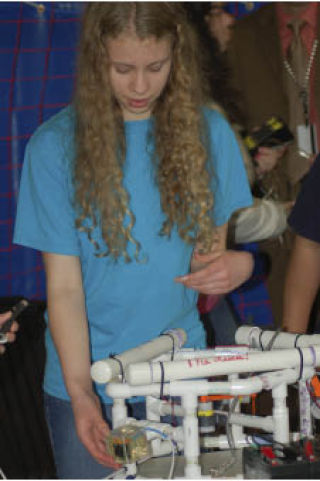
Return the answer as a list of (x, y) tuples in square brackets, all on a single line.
[(16, 311), (273, 133)]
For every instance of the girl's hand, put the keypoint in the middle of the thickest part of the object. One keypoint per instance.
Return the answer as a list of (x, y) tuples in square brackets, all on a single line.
[(91, 427), (221, 272), (267, 158), (11, 335)]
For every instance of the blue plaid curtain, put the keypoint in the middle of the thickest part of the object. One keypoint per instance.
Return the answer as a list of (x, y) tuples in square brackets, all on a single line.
[(37, 64)]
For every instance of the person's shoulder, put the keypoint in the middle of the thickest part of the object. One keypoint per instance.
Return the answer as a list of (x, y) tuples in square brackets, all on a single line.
[(312, 179), (54, 130), (215, 116), (315, 169)]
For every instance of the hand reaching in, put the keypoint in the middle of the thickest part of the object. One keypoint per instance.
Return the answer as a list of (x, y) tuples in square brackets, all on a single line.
[(219, 272)]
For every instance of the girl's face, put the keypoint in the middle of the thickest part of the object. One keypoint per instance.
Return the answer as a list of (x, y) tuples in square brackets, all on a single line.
[(139, 71)]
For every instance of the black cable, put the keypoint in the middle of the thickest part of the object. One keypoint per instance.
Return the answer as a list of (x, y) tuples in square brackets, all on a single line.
[(173, 345), (301, 363), (113, 356), (272, 340), (296, 340), (162, 379), (260, 340)]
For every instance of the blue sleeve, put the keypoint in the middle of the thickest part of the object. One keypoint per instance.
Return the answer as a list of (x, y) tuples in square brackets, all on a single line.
[(230, 182), (45, 216), (305, 215)]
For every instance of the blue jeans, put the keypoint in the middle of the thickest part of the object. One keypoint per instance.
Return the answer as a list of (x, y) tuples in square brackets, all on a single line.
[(72, 459), (221, 324)]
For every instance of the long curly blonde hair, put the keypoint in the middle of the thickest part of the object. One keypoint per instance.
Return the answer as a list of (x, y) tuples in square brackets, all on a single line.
[(180, 135)]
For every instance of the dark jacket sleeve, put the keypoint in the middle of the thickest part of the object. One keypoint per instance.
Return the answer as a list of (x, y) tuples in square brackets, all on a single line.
[(305, 215)]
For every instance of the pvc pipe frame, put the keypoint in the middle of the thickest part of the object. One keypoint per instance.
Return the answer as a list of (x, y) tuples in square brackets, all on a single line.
[(183, 374), (121, 391), (221, 442), (255, 337), (106, 369), (148, 373), (236, 387)]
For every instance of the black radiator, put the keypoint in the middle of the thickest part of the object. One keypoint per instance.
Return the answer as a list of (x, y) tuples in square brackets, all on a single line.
[(25, 450)]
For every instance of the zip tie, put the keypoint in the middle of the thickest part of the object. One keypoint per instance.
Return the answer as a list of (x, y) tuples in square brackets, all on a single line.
[(301, 363), (113, 356), (296, 339), (260, 340), (162, 379), (272, 340), (172, 339)]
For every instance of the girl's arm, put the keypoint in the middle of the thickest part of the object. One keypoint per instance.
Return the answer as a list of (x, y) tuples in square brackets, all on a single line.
[(220, 271), (69, 329)]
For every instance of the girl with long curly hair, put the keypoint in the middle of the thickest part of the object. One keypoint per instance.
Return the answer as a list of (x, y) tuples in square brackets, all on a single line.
[(127, 193)]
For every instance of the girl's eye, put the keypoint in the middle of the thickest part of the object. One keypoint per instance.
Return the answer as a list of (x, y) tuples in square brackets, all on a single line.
[(155, 68), (122, 69)]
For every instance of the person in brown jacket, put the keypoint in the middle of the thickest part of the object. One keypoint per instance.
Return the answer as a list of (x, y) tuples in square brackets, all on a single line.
[(275, 60)]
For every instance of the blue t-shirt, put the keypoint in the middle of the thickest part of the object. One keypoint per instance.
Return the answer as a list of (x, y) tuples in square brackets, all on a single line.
[(127, 303)]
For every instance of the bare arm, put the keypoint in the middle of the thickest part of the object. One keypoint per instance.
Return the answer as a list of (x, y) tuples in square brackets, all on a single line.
[(69, 329), (67, 317), (302, 283), (220, 271)]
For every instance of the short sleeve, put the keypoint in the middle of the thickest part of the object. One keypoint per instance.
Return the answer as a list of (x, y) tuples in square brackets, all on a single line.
[(230, 182), (45, 216), (305, 215)]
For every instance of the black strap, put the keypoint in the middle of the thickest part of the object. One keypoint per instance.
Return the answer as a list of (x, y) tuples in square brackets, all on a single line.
[(260, 341), (172, 339), (272, 340), (301, 363), (162, 379), (296, 340), (113, 356)]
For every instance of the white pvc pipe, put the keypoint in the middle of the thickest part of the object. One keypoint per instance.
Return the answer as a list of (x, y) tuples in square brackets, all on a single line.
[(106, 369), (280, 414), (259, 422), (177, 388), (192, 468), (159, 408), (256, 337), (221, 442), (236, 429), (119, 413), (237, 387), (305, 410), (218, 351), (147, 373)]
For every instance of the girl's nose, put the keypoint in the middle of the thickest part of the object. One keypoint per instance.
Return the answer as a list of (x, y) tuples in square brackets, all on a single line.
[(140, 83)]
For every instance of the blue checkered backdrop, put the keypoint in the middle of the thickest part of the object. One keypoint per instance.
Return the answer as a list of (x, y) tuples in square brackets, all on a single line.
[(37, 64)]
